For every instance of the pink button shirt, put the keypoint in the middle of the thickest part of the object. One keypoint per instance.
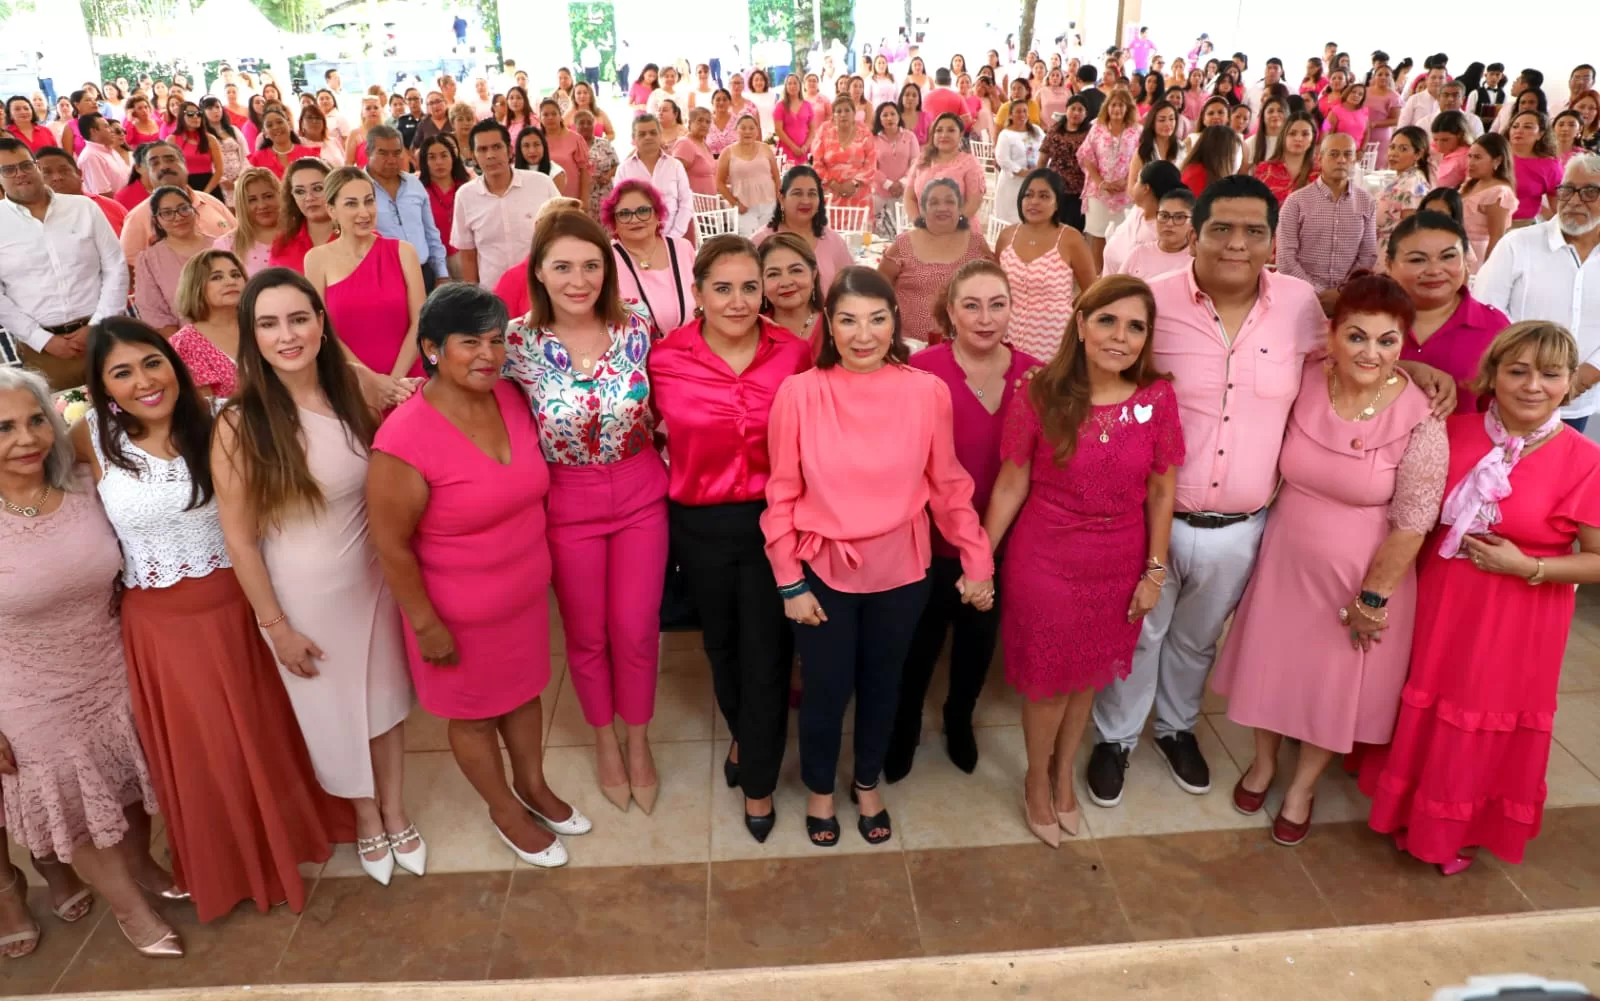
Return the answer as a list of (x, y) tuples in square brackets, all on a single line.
[(499, 227), (103, 170), (1234, 398)]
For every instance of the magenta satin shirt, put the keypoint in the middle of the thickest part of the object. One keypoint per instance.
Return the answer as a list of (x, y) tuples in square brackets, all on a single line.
[(1458, 346)]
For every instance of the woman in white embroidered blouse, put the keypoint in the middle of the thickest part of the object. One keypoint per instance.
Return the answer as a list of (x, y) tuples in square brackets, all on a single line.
[(580, 358)]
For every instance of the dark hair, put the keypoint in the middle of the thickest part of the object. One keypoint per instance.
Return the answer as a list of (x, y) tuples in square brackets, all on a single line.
[(155, 204), (902, 101), (1452, 203), (521, 162), (215, 128), (1161, 176), (488, 125), (1235, 186), (458, 170), (1087, 73), (1419, 141), (1545, 145), (819, 223), (877, 116), (1214, 150), (869, 284), (527, 108), (929, 151), (85, 123), (1542, 104), (718, 247), (1058, 188), (793, 243), (1495, 68), (454, 309), (1452, 123), (1373, 293), (1147, 135), (941, 77), (1426, 219), (45, 151), (1060, 126), (1179, 194), (1259, 144), (191, 417), (1532, 77)]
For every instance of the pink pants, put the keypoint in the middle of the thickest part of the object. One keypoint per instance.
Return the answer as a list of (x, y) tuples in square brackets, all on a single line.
[(607, 528)]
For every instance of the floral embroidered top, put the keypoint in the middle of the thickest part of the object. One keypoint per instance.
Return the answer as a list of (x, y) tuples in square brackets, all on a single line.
[(1399, 198), (1111, 154), (585, 421)]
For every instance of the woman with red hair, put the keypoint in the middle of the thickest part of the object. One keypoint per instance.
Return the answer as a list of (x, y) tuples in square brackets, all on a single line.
[(1363, 468), (655, 271)]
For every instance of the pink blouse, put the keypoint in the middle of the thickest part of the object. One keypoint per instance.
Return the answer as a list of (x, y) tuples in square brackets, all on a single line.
[(1111, 155), (698, 164), (1451, 169), (207, 364), (840, 163), (894, 160), (1351, 123), (965, 170), (858, 461)]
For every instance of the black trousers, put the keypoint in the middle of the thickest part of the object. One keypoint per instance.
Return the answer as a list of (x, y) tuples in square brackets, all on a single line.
[(971, 650), (720, 550), (1074, 212), (859, 651)]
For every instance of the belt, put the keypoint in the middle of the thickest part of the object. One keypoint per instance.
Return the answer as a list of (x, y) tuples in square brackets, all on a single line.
[(1199, 520), (65, 328)]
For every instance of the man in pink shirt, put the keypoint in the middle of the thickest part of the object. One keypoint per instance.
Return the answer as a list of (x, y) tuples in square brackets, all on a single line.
[(103, 170), (1234, 336), (941, 99), (495, 214)]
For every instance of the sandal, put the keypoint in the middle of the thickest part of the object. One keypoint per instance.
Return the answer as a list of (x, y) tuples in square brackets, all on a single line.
[(31, 936), (877, 822), (75, 907), (817, 827)]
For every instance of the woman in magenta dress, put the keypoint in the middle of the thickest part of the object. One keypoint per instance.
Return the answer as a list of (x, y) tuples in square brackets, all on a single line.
[(1363, 473), (371, 284), (1088, 478), (456, 492), (1466, 768)]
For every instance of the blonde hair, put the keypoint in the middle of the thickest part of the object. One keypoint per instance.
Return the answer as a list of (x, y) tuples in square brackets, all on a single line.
[(245, 234), (191, 302), (1553, 345), (461, 111)]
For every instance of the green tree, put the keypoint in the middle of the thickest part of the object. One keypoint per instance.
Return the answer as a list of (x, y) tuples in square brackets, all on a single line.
[(594, 21)]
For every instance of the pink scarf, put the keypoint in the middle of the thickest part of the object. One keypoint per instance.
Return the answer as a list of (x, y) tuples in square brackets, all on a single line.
[(1473, 507)]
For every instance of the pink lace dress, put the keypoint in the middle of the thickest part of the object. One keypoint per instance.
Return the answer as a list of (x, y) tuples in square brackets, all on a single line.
[(1079, 543), (63, 683), (209, 366)]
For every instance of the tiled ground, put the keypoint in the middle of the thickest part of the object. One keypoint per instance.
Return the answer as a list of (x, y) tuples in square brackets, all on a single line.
[(688, 889)]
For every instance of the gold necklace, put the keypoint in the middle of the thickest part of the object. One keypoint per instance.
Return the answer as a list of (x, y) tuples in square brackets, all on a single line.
[(1367, 412), (955, 352), (643, 262), (30, 510), (1106, 420)]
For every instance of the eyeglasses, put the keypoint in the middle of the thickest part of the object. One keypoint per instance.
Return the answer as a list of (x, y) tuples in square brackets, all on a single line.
[(1588, 194), (1180, 218), (643, 213), (18, 169), (178, 211)]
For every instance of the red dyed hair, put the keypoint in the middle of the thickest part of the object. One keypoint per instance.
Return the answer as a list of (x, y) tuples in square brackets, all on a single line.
[(608, 208), (1372, 293)]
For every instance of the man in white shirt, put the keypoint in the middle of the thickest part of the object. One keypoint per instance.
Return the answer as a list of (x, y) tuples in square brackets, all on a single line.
[(1257, 95), (1452, 97), (482, 100), (495, 214), (104, 170), (61, 269), (648, 163), (1424, 104), (1551, 271)]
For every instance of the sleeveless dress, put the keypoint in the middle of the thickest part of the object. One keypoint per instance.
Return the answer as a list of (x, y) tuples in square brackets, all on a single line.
[(242, 805), (751, 182), (1078, 546), (483, 556), (1041, 300), (370, 308), (63, 685), (1288, 665), (326, 576)]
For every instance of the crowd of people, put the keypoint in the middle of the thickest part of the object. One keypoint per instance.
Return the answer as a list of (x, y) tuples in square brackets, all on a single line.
[(382, 390)]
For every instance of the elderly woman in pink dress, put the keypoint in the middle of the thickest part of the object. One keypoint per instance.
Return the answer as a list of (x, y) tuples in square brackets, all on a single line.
[(1322, 638)]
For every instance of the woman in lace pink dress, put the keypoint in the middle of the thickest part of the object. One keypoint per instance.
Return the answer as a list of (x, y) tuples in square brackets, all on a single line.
[(1363, 468), (1088, 478)]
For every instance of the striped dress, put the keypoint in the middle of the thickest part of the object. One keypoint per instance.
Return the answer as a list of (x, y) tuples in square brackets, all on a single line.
[(1041, 300)]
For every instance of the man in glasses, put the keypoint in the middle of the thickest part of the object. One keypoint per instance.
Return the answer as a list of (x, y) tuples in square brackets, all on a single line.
[(1550, 271), (164, 164), (495, 213), (650, 163), (60, 269)]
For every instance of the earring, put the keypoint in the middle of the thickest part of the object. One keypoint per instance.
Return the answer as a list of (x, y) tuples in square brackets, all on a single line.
[(433, 359)]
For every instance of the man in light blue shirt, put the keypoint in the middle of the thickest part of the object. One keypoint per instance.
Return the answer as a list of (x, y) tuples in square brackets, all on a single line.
[(404, 209)]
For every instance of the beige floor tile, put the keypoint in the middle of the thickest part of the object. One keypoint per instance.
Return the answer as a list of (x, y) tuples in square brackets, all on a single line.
[(568, 728), (426, 732), (1153, 804), (1586, 625), (1570, 783), (946, 808), (451, 817), (998, 705), (1580, 667), (678, 830), (1337, 797), (1578, 727), (730, 840)]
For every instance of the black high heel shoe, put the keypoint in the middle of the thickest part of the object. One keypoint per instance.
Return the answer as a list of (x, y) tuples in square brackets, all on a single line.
[(730, 770), (761, 827), (878, 821)]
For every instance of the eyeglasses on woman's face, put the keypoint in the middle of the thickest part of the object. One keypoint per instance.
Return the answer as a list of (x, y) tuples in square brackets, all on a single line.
[(643, 213), (178, 211)]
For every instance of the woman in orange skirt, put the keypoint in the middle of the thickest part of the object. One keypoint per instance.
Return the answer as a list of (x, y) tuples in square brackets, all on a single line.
[(230, 769)]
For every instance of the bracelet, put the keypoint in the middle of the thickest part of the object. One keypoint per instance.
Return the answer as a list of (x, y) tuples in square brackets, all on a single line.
[(269, 624), (1369, 613), (795, 590), (1537, 577)]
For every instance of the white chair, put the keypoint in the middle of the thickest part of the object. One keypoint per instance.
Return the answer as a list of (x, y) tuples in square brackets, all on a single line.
[(901, 223), (986, 208), (1369, 157), (991, 179), (984, 151), (992, 230), (716, 222), (844, 219), (708, 203)]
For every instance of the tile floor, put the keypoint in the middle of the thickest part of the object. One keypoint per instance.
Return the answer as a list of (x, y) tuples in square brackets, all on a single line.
[(688, 889)]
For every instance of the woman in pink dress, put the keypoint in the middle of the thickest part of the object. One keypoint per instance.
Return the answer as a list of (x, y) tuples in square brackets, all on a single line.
[(846, 158), (1467, 765), (697, 159), (456, 500), (1088, 480), (568, 149), (1363, 473), (793, 115), (1350, 115), (372, 284), (208, 300)]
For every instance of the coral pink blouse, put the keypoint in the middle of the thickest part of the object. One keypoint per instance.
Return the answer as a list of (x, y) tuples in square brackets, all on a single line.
[(841, 163)]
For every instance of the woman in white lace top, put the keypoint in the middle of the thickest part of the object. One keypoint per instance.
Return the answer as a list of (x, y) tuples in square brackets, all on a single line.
[(230, 770)]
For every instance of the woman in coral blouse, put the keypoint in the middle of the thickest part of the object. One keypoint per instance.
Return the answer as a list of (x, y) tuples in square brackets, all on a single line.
[(945, 155), (897, 151), (846, 158), (712, 382), (862, 448), (697, 159)]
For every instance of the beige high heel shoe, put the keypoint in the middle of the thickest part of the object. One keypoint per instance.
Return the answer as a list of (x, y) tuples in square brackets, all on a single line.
[(168, 946), (1050, 834)]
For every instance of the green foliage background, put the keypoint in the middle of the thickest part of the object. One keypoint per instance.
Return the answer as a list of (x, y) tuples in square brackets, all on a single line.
[(594, 21), (776, 20)]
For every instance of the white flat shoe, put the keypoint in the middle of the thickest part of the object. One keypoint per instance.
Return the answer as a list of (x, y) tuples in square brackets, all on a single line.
[(551, 858), (382, 870), (571, 827), (414, 861)]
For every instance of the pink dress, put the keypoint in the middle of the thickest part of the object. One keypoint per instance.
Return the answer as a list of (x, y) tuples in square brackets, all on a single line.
[(63, 683), (208, 365), (1351, 123), (920, 287), (1476, 223), (1288, 665), (1471, 749), (964, 169), (1041, 300), (699, 164), (370, 308), (1079, 543), (1381, 106), (840, 163), (481, 548)]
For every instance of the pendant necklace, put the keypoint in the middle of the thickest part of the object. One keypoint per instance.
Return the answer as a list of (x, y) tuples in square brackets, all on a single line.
[(29, 510)]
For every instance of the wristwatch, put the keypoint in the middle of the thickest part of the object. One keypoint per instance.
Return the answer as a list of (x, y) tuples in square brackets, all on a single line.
[(1373, 599)]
